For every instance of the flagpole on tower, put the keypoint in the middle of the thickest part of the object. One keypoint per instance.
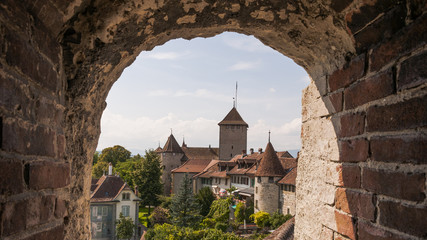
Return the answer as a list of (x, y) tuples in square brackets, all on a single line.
[(235, 97)]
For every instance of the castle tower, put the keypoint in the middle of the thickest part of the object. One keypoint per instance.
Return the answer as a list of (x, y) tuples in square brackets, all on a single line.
[(268, 173), (233, 133), (170, 157)]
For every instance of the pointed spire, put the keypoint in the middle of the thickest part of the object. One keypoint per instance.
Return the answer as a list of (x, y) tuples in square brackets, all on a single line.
[(183, 142), (172, 145), (233, 118), (270, 165)]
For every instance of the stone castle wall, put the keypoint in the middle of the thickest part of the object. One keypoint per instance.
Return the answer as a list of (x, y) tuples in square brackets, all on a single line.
[(266, 195), (169, 162), (232, 141)]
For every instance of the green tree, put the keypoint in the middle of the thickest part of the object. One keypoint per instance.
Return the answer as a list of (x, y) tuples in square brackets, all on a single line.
[(220, 210), (99, 169), (114, 155), (184, 207), (240, 211), (261, 219), (277, 219), (205, 197), (95, 158), (147, 176), (124, 227), (126, 169), (159, 216)]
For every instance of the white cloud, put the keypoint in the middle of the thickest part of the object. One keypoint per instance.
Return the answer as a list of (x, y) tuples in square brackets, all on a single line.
[(244, 66), (165, 55), (245, 43), (160, 93), (143, 132)]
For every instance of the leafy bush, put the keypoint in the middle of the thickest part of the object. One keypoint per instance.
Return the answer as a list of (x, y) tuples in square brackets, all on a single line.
[(170, 232), (221, 226), (220, 210), (205, 197), (208, 223), (239, 213), (261, 219), (159, 216)]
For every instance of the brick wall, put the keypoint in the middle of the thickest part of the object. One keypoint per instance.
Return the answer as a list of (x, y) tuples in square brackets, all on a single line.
[(377, 103), (34, 174), (362, 169)]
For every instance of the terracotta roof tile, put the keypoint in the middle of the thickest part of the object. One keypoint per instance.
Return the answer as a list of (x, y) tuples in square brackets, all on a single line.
[(284, 154), (172, 145), (290, 177), (270, 165), (192, 166), (233, 118), (200, 152), (288, 163), (107, 189)]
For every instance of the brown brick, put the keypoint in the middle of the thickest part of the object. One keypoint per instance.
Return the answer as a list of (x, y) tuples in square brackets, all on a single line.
[(382, 28), (48, 175), (33, 215), (402, 42), (355, 150), (47, 208), (56, 233), (349, 176), (345, 225), (367, 230), (11, 176), (402, 149), (60, 208), (373, 88), (359, 18), (399, 116), (352, 124), (413, 72), (60, 146), (24, 138), (23, 56), (395, 184), (13, 217), (348, 74), (337, 101), (355, 203), (407, 219)]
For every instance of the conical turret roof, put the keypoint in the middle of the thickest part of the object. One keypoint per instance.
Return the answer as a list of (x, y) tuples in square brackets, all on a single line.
[(270, 165), (233, 118), (172, 145)]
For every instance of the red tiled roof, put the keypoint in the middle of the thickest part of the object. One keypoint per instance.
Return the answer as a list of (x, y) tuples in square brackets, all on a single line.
[(108, 187), (172, 145), (284, 154), (192, 166), (233, 118), (200, 152), (218, 174), (270, 165), (288, 163), (290, 177), (158, 149)]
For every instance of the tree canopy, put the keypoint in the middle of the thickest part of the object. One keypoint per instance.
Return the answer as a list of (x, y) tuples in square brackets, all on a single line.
[(205, 197), (184, 209), (124, 227), (147, 176), (114, 155)]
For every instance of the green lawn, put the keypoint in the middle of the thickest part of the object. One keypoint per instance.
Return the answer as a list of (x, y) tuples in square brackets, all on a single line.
[(143, 215)]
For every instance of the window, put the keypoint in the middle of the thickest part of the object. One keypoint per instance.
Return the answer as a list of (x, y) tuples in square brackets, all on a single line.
[(256, 190), (126, 196), (256, 203), (104, 211), (232, 147), (226, 181), (125, 210), (94, 211), (252, 182), (259, 179), (288, 211), (270, 179)]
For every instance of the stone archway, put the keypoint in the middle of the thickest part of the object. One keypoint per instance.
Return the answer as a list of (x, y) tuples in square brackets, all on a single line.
[(363, 110)]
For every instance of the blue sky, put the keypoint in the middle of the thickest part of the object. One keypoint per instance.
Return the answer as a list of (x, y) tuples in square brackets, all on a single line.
[(189, 86)]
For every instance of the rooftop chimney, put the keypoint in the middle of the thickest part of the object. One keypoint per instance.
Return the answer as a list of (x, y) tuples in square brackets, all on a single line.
[(110, 169), (251, 151), (260, 150)]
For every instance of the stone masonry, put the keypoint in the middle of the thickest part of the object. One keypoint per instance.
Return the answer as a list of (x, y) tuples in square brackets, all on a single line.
[(362, 169)]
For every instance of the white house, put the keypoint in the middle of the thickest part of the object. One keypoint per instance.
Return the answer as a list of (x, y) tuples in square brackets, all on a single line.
[(110, 196)]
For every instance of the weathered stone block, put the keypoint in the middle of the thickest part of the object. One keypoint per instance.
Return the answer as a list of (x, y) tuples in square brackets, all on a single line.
[(355, 203), (44, 175), (11, 176), (400, 149), (354, 150), (347, 74), (413, 72)]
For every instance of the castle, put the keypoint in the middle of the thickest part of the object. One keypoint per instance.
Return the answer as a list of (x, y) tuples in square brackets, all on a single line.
[(266, 178)]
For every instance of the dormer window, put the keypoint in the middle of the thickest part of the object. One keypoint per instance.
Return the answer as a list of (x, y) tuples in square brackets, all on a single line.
[(125, 196)]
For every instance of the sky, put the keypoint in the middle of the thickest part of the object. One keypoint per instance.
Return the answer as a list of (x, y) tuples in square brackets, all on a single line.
[(187, 87)]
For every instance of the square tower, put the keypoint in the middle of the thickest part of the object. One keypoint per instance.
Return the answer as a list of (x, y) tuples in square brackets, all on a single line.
[(233, 135)]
